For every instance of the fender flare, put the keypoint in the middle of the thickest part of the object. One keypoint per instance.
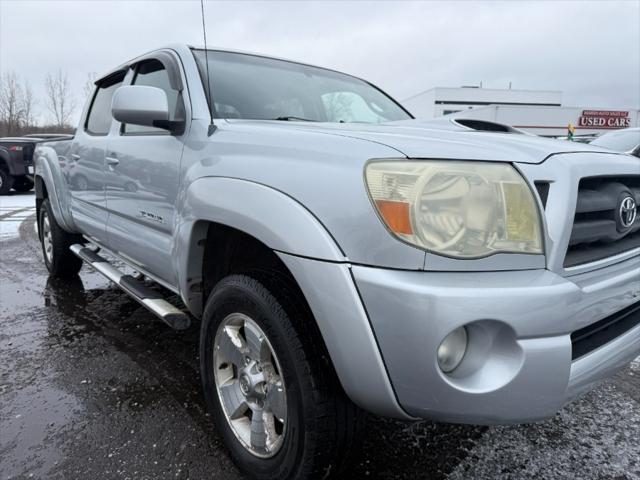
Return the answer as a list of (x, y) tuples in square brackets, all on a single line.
[(47, 169), (312, 256), (279, 221)]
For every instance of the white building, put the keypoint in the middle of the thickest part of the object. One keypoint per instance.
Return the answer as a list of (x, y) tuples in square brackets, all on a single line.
[(444, 101), (536, 111)]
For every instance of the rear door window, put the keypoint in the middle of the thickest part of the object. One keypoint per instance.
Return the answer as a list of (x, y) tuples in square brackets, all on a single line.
[(99, 118)]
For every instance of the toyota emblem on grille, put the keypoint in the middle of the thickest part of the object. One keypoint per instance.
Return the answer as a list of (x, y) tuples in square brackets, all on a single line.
[(627, 212)]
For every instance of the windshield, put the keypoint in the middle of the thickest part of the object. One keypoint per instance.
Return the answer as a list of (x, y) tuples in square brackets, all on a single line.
[(253, 87), (620, 141)]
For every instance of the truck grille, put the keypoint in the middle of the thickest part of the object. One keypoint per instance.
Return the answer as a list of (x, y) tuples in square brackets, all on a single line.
[(599, 227)]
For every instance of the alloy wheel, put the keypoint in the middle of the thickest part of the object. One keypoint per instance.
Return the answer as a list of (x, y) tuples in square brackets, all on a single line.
[(47, 237), (250, 385)]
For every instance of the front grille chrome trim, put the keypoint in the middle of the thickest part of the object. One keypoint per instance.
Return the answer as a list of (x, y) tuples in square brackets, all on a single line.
[(602, 263)]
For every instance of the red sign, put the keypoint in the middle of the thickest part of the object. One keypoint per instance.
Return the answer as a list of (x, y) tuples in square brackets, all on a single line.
[(604, 119)]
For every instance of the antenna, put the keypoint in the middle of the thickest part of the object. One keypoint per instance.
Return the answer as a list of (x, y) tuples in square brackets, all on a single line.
[(212, 127)]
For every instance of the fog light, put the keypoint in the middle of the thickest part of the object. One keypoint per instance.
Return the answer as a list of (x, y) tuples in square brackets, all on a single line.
[(452, 349)]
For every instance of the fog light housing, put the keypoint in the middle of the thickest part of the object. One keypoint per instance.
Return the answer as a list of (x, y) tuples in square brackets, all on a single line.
[(452, 349)]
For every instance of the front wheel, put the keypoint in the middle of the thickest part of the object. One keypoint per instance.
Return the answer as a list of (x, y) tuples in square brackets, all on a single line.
[(59, 260), (272, 393)]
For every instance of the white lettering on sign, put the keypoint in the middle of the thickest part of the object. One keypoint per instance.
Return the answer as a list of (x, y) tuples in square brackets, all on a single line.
[(602, 119)]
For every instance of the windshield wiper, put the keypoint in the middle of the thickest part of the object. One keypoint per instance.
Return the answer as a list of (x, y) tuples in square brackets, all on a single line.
[(293, 119)]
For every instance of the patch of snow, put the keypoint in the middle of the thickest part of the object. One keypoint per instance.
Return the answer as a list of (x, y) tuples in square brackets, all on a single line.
[(14, 209)]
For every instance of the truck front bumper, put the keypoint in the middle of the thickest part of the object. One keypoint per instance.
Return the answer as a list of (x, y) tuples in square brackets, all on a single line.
[(519, 364)]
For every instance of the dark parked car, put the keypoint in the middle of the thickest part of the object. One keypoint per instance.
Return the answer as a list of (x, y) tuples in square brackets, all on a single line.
[(16, 160), (16, 164)]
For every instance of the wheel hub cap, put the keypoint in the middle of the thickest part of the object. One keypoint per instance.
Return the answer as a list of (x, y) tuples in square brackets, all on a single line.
[(245, 384), (250, 386)]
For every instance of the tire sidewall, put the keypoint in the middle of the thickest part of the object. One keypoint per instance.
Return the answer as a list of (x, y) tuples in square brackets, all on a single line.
[(235, 296), (63, 264), (46, 210)]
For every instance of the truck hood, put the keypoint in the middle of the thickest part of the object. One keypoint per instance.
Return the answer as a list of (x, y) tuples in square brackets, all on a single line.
[(416, 139)]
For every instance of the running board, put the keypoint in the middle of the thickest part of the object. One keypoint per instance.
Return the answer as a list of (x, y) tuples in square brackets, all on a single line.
[(146, 297)]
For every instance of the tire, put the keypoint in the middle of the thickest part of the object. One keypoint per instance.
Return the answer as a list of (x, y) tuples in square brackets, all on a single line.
[(59, 260), (321, 425), (6, 182), (22, 185)]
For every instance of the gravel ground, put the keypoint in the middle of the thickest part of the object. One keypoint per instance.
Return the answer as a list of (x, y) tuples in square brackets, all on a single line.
[(91, 385)]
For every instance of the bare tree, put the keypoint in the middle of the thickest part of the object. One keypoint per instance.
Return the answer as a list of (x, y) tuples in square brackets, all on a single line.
[(59, 99), (28, 105), (89, 84), (11, 112)]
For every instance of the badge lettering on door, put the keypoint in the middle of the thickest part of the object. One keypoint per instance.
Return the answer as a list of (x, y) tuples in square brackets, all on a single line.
[(151, 216)]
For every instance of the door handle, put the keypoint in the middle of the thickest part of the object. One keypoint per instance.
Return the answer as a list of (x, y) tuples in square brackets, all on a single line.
[(112, 161), (75, 156)]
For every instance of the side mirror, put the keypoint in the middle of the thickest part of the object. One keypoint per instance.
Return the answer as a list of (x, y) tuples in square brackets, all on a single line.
[(141, 105)]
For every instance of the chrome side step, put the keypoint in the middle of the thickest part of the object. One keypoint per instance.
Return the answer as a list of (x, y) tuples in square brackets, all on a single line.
[(146, 297)]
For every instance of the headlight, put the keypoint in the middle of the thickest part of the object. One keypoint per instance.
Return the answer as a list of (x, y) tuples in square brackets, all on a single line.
[(458, 209)]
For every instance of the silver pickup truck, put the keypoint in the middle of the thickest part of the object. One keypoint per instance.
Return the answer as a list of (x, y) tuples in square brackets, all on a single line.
[(341, 256)]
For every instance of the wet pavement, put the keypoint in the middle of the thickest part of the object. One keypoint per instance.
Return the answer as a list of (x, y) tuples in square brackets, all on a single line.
[(93, 386)]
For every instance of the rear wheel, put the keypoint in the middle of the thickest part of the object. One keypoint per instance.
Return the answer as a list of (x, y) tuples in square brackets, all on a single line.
[(269, 385), (6, 182), (59, 260)]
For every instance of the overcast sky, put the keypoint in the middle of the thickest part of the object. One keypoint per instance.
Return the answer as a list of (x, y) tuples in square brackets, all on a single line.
[(588, 49)]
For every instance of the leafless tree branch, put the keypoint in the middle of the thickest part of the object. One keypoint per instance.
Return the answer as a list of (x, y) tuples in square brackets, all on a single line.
[(59, 99), (11, 108), (28, 105)]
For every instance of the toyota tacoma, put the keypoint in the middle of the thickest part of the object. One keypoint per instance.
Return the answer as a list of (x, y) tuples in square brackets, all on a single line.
[(341, 256)]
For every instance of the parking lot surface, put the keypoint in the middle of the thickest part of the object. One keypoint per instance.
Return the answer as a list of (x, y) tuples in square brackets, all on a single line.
[(93, 386)]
